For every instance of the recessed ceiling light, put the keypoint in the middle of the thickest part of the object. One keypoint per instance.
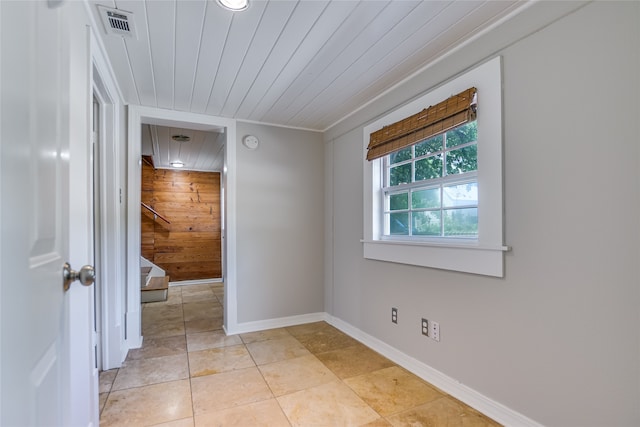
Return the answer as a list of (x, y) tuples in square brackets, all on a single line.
[(177, 164), (235, 5), (181, 138)]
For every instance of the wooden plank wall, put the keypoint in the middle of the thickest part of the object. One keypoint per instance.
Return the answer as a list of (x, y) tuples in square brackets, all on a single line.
[(147, 224), (190, 247)]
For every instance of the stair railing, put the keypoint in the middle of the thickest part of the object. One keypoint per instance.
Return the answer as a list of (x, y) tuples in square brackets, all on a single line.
[(156, 215)]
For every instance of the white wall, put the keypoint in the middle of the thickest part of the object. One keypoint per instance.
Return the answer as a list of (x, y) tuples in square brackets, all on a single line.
[(558, 339), (280, 223)]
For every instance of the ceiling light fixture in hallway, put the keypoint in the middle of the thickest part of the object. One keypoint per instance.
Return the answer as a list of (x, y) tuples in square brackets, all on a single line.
[(234, 5)]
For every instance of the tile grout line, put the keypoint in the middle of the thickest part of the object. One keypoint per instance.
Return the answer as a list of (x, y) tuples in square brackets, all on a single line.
[(186, 347), (342, 381), (264, 379), (244, 341), (193, 409)]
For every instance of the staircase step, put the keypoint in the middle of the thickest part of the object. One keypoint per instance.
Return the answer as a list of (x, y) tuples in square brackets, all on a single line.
[(156, 290), (157, 283), (145, 270)]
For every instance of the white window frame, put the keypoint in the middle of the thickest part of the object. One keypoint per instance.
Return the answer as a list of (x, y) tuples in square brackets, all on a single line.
[(484, 255), (433, 183)]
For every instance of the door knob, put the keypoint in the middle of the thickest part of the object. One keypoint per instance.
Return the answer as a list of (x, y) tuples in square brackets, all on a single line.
[(86, 275)]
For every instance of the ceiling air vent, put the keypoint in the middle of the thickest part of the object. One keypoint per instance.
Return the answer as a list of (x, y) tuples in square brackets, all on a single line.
[(118, 22)]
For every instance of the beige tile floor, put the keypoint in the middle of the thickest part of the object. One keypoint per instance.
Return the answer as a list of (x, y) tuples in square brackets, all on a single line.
[(189, 373)]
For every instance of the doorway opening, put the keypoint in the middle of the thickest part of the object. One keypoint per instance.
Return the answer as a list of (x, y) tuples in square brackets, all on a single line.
[(139, 116), (180, 206)]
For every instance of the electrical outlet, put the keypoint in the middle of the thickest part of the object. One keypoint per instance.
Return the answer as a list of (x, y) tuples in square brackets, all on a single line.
[(434, 330), (425, 327), (394, 315)]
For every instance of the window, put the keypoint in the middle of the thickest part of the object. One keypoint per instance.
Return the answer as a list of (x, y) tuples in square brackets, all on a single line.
[(436, 201), (430, 189)]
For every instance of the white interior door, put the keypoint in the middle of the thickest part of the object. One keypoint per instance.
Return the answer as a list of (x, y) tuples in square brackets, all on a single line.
[(45, 332)]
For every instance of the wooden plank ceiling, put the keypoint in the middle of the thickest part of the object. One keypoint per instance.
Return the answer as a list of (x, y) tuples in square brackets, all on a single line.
[(304, 64)]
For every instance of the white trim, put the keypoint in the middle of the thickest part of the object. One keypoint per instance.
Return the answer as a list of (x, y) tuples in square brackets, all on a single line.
[(465, 259), (171, 168), (133, 315), (281, 322), (97, 45), (439, 244), (111, 310), (278, 125), (149, 115), (455, 388), (195, 282), (478, 258)]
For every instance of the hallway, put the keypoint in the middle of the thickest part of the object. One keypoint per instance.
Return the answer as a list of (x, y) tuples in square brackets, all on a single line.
[(189, 373)]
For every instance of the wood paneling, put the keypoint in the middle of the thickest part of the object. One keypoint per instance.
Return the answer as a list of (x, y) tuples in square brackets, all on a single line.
[(190, 247), (147, 237), (160, 196), (181, 187), (147, 222), (189, 271), (168, 175)]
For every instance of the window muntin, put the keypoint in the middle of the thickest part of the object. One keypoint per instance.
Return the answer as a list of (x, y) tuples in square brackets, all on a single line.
[(430, 189)]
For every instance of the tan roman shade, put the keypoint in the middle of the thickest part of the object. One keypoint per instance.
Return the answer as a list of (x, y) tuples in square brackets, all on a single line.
[(432, 121)]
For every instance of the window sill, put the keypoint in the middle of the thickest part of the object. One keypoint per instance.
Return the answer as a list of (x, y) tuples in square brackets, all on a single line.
[(467, 258)]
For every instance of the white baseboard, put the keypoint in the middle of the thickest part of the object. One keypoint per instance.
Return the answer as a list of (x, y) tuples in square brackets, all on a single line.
[(476, 400), (195, 282), (261, 325), (129, 344)]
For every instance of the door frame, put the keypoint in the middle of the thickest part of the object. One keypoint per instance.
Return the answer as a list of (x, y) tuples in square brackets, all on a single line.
[(137, 116), (110, 293)]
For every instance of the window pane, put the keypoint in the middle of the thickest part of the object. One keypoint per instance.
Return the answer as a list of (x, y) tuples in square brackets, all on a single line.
[(400, 156), (461, 222), (399, 201), (426, 223), (429, 168), (460, 195), (425, 199), (462, 134), (400, 174), (429, 146), (462, 160), (398, 223)]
